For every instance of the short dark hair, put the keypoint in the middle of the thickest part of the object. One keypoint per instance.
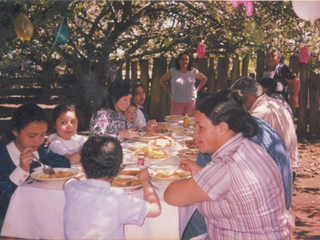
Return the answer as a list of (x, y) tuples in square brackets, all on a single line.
[(247, 85), (135, 86), (101, 157), (178, 60), (221, 107), (58, 110), (22, 117), (269, 83), (117, 90)]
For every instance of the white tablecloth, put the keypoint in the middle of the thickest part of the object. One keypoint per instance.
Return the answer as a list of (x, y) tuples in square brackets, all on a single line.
[(36, 211)]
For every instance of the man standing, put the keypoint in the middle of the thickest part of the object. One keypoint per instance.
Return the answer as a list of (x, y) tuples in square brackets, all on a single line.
[(283, 75)]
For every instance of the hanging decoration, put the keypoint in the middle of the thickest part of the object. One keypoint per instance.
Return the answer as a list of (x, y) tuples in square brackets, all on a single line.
[(250, 27), (62, 34), (201, 50), (304, 55), (23, 27), (307, 10), (249, 6), (167, 43), (258, 35)]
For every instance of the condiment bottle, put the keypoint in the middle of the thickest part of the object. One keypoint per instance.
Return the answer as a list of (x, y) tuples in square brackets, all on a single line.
[(186, 122), (140, 158)]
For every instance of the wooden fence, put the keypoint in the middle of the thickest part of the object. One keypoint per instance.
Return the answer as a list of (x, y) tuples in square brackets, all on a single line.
[(223, 74)]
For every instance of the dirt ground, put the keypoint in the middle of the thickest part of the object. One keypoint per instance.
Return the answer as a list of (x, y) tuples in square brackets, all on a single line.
[(306, 192)]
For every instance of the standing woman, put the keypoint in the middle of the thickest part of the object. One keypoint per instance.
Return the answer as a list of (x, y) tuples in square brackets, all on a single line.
[(240, 192), (183, 79), (110, 121)]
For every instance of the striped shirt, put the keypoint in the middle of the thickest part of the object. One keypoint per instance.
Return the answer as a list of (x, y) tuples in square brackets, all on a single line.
[(247, 193), (276, 115), (183, 86)]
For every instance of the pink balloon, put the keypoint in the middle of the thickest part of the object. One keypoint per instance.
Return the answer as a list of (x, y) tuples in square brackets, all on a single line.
[(235, 4), (201, 50), (249, 7), (304, 54)]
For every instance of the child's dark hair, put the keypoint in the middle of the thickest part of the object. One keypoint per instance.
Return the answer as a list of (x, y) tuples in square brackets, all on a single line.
[(58, 110), (101, 157), (133, 104), (269, 83), (22, 117), (117, 90)]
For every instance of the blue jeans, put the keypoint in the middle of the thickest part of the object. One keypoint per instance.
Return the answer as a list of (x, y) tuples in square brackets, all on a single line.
[(195, 227)]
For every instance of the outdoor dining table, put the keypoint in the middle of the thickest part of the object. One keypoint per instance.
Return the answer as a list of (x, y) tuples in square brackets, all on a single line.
[(36, 210)]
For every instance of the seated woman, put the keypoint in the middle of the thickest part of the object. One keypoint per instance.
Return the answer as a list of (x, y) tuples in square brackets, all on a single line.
[(20, 147), (240, 192), (110, 121)]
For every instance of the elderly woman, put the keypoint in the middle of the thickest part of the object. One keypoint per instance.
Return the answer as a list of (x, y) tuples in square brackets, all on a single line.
[(240, 192), (110, 121)]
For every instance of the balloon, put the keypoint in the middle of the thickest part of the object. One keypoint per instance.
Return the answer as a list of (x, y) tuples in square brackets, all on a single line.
[(235, 4), (23, 27), (62, 34), (319, 26), (249, 7), (258, 35), (250, 27), (304, 54), (166, 43), (307, 10), (201, 50)]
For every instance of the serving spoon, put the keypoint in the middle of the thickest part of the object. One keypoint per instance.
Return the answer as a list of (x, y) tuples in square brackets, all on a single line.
[(45, 168)]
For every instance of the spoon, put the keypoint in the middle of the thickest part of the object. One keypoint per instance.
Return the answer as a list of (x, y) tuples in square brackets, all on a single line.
[(129, 183), (45, 168), (174, 170)]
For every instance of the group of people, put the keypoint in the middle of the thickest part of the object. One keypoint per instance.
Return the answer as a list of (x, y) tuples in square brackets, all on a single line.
[(242, 180)]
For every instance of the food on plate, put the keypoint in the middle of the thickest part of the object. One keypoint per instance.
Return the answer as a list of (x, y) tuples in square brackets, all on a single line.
[(175, 116), (121, 182), (60, 174), (190, 152), (129, 172), (148, 134), (174, 129), (133, 148), (167, 174), (163, 141), (151, 152)]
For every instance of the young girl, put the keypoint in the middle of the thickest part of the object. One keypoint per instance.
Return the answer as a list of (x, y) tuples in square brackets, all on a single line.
[(66, 142), (25, 138), (131, 112)]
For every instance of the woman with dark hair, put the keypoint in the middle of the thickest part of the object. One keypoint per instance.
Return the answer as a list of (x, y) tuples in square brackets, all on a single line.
[(183, 91), (240, 192), (110, 121)]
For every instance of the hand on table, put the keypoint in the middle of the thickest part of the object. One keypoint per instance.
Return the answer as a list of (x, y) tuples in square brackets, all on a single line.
[(192, 144), (190, 166), (26, 158), (128, 133)]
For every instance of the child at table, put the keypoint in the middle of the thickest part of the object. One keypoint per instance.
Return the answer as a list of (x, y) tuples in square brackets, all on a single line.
[(131, 112), (66, 141), (94, 209), (28, 127)]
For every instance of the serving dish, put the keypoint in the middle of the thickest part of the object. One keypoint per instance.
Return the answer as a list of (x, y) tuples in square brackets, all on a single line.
[(37, 173), (189, 154), (154, 175), (163, 142), (127, 178), (151, 152), (174, 118)]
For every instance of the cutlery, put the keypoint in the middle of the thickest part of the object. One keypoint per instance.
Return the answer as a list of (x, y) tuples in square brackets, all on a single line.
[(129, 183), (176, 168), (45, 168)]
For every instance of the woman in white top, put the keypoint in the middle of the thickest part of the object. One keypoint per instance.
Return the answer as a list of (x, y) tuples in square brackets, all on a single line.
[(183, 91)]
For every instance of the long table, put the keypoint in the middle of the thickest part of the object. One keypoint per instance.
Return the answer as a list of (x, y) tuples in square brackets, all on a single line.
[(36, 211)]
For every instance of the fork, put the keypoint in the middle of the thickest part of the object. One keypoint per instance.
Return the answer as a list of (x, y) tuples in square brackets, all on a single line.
[(129, 183)]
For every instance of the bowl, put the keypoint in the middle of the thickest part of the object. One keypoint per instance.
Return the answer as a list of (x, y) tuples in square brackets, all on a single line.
[(154, 172)]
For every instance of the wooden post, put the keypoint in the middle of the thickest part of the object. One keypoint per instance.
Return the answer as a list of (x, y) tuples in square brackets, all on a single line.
[(144, 80), (203, 68), (260, 64), (127, 70), (159, 99), (211, 76), (245, 65), (314, 91), (235, 72), (134, 72), (222, 77), (303, 100), (294, 64)]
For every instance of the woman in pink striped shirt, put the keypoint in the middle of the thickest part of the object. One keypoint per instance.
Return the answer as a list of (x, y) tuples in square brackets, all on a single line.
[(240, 192)]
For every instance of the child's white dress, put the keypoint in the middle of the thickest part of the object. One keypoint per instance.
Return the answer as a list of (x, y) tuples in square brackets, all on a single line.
[(62, 146)]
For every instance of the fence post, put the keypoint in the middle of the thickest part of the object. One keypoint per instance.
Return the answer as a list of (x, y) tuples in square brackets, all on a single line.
[(158, 97), (235, 72), (134, 72), (222, 77), (260, 64), (211, 76), (127, 77), (144, 80), (303, 100), (314, 103), (245, 65), (203, 68)]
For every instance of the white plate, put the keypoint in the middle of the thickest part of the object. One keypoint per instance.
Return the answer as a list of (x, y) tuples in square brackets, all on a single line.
[(129, 189), (155, 159), (167, 180), (141, 136), (189, 154), (173, 118), (59, 181)]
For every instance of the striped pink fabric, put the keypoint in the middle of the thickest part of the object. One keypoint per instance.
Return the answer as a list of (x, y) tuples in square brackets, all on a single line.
[(247, 193)]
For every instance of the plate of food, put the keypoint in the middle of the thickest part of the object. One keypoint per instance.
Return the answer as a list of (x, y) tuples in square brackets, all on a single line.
[(121, 180), (163, 142), (167, 176), (189, 154), (129, 171), (146, 136), (60, 177), (174, 118), (151, 152)]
